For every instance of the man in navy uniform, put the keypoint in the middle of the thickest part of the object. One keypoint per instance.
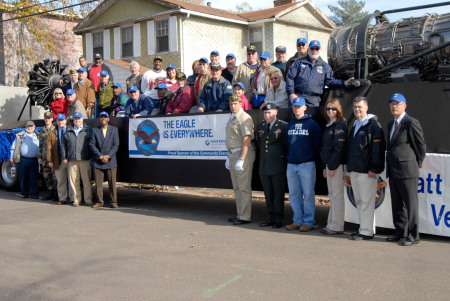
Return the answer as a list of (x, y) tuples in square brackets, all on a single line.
[(405, 153), (270, 134)]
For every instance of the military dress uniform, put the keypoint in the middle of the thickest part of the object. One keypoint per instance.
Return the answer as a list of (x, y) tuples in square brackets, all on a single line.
[(272, 166), (238, 126), (47, 171)]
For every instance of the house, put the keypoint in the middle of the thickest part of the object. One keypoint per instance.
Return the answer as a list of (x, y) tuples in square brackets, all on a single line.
[(181, 32)]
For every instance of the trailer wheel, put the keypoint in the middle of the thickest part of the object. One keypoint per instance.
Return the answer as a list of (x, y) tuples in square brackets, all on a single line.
[(8, 177)]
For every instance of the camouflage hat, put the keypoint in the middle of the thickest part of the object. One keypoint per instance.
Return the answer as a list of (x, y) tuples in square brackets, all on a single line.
[(48, 115), (235, 97)]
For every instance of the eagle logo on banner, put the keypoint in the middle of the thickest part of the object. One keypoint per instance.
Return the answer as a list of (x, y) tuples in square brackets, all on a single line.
[(147, 137), (381, 191)]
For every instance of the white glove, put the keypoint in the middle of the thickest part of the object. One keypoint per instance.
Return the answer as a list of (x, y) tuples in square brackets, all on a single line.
[(239, 165), (227, 164)]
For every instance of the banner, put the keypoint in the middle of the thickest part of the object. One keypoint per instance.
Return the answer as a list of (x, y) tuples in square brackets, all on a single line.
[(182, 137), (434, 207)]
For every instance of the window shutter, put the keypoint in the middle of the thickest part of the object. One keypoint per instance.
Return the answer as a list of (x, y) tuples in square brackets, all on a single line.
[(89, 47), (151, 37), (106, 45), (137, 40), (173, 34), (117, 44)]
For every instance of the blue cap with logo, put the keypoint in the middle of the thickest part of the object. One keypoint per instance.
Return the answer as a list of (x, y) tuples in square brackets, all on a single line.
[(231, 55), (171, 67), (398, 97), (132, 89), (302, 40), (117, 85), (60, 117), (77, 115), (103, 114), (240, 85), (204, 59), (265, 55), (215, 52), (70, 92), (299, 101), (162, 86), (314, 43), (104, 73), (81, 69)]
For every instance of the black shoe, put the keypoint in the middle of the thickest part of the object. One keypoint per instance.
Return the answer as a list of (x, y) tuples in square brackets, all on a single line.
[(240, 222), (232, 219), (24, 196), (277, 225), (266, 224), (354, 234), (49, 196), (361, 237), (410, 242), (35, 197), (393, 238)]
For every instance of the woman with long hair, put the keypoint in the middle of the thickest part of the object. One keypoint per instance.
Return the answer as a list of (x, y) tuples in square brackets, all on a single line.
[(333, 156)]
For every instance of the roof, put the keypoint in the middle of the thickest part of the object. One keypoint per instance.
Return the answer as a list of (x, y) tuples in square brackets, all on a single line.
[(271, 12)]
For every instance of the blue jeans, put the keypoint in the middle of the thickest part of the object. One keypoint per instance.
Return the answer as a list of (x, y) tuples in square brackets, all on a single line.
[(301, 181), (28, 176)]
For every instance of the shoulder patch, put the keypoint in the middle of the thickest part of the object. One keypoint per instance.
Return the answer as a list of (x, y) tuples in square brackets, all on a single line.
[(229, 87), (248, 121)]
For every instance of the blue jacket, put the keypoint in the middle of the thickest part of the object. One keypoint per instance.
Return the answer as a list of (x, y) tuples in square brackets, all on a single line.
[(306, 78), (102, 146), (143, 106), (304, 139), (223, 92)]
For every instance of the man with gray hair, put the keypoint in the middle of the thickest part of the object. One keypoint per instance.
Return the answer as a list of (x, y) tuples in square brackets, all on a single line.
[(136, 77)]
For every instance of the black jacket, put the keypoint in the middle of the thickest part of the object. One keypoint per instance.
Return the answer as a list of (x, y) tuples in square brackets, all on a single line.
[(272, 148), (227, 74), (366, 148), (75, 148), (334, 145), (100, 145)]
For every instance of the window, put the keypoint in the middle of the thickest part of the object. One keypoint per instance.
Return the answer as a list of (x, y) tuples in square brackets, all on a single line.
[(256, 38), (303, 34), (97, 41), (162, 36), (127, 41)]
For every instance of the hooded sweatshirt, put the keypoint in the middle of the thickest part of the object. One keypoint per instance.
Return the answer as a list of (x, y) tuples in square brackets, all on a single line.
[(304, 139)]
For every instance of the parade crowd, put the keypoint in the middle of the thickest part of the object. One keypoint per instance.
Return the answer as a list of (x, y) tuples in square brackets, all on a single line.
[(67, 149)]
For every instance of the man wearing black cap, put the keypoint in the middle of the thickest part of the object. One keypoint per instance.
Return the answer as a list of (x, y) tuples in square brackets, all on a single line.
[(24, 151), (96, 69), (184, 97), (49, 175), (406, 151), (280, 53), (104, 144), (152, 78), (73, 74), (245, 71), (270, 134), (216, 92)]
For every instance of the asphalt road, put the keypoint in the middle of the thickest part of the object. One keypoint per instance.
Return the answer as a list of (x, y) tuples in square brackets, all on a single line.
[(167, 246)]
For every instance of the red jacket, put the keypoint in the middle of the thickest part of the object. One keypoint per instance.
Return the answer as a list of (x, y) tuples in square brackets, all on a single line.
[(245, 104), (182, 102), (59, 106)]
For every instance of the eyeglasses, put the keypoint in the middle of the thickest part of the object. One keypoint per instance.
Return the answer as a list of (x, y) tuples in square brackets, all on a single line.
[(58, 93), (301, 45), (274, 78), (332, 109), (315, 48), (251, 53)]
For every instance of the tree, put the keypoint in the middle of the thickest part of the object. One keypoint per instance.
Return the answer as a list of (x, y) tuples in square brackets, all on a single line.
[(349, 13)]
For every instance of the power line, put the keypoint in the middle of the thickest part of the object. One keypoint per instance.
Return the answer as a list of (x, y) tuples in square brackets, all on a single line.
[(22, 8), (49, 11)]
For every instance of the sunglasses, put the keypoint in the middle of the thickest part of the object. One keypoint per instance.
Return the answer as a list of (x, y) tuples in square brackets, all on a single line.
[(314, 48), (58, 93), (133, 92), (301, 45), (273, 78), (332, 109)]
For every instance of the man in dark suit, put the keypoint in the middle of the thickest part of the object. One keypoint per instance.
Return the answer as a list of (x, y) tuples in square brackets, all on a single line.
[(104, 144), (270, 134), (405, 153)]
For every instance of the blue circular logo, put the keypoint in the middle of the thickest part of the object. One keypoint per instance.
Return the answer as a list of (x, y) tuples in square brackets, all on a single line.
[(147, 137), (207, 142), (381, 192)]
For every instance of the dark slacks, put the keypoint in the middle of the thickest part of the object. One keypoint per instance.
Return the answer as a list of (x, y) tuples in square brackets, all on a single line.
[(28, 170), (99, 175), (273, 186), (405, 203)]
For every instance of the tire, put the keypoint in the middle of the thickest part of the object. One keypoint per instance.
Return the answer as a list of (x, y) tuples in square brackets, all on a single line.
[(8, 177)]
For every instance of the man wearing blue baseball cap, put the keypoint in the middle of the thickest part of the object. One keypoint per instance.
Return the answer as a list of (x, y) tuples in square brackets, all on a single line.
[(104, 93), (74, 106), (75, 154), (119, 100), (302, 51), (85, 90), (104, 144), (280, 53), (230, 70), (165, 95), (261, 81), (214, 57), (406, 151), (304, 140), (138, 104), (216, 92), (309, 75)]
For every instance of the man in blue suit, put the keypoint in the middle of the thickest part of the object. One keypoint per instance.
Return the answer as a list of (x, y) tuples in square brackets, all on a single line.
[(104, 144)]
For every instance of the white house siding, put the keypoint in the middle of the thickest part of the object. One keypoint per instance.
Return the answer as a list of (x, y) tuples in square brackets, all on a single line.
[(202, 35)]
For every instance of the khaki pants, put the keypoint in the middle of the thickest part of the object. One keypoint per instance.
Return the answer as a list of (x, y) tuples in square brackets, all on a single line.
[(365, 194), (99, 175), (336, 215), (242, 183), (77, 169), (61, 180)]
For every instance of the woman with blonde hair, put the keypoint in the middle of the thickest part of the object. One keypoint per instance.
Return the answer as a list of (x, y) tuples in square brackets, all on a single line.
[(333, 156), (60, 104), (195, 72)]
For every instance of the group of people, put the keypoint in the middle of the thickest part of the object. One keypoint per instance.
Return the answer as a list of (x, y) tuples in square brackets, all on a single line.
[(349, 158), (67, 153)]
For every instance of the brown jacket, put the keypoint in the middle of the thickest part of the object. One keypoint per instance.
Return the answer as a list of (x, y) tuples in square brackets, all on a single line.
[(85, 93), (52, 149), (206, 77)]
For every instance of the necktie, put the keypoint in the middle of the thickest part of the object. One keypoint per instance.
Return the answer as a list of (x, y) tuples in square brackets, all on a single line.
[(395, 126), (268, 127)]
